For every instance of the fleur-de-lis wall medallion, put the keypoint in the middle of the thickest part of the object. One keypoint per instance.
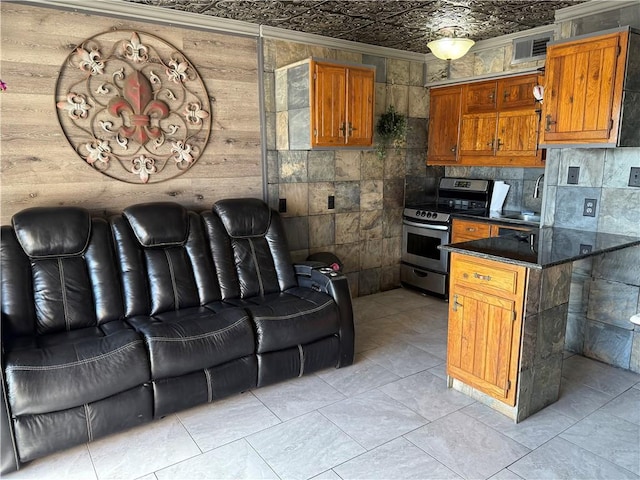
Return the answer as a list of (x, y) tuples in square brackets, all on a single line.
[(133, 107)]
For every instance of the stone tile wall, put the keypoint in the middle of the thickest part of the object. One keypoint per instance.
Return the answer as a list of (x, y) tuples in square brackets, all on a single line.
[(605, 292), (365, 227)]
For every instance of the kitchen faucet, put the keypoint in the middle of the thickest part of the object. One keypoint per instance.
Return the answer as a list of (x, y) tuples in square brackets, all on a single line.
[(536, 190)]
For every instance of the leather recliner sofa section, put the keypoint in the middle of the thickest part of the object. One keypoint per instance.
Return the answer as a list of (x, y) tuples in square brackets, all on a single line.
[(110, 323)]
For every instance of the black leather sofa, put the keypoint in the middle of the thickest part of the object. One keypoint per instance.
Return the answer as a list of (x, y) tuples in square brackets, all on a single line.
[(110, 323)]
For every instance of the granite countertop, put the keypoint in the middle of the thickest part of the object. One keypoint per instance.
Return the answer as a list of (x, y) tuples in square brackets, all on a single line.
[(544, 247)]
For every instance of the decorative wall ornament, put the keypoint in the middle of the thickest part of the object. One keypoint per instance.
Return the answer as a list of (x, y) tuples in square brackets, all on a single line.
[(133, 107)]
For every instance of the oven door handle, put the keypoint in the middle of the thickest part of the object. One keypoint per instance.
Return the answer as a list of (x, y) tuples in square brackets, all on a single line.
[(428, 226)]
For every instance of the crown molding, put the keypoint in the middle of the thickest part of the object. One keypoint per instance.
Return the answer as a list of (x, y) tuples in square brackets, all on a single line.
[(177, 18), (151, 13), (591, 8), (301, 37)]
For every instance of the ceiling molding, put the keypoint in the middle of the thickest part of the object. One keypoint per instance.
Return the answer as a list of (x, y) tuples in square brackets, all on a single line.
[(503, 40), (178, 18), (153, 14), (311, 38), (590, 8)]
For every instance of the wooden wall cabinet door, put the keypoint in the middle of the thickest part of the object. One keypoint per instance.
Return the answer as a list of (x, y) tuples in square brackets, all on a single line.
[(480, 97), (343, 102), (478, 134), (485, 322), (444, 125), (329, 105), (583, 89), (517, 92), (360, 94), (517, 133)]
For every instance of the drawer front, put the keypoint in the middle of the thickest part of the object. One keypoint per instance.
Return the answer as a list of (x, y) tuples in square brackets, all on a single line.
[(482, 276), (464, 231)]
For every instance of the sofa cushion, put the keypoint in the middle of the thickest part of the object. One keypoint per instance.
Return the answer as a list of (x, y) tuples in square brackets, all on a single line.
[(295, 317), (159, 223), (66, 375), (52, 231), (191, 339)]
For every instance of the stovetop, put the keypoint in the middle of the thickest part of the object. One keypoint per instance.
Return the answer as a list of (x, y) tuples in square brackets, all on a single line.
[(441, 213), (455, 195)]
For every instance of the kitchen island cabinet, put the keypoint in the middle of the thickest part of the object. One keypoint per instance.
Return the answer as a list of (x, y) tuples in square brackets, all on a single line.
[(485, 315), (508, 305)]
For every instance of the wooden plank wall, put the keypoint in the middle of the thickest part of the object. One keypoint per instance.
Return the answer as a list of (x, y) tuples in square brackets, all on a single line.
[(38, 166)]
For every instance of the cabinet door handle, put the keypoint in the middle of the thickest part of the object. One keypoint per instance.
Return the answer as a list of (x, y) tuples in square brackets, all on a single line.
[(482, 277), (505, 96), (456, 304), (492, 95), (499, 144), (454, 148), (549, 123), (343, 128), (471, 229), (490, 144), (351, 129)]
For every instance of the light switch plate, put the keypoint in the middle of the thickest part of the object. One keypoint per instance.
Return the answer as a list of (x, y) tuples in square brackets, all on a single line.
[(573, 175), (634, 177)]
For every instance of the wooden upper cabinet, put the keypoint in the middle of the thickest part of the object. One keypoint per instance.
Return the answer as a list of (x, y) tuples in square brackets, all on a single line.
[(329, 105), (583, 90), (496, 123), (360, 94), (480, 97), (478, 134), (517, 92), (517, 134), (444, 125), (343, 102)]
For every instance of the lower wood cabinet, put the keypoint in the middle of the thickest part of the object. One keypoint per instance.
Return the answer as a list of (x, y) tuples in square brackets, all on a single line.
[(485, 322), (467, 230)]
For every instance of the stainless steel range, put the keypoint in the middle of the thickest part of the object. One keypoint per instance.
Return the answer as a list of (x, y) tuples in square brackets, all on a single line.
[(427, 226)]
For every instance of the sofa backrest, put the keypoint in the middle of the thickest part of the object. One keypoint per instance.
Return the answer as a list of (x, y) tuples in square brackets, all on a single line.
[(164, 259), (58, 272), (249, 248)]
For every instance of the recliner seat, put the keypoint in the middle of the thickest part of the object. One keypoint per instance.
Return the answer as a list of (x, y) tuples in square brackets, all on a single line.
[(109, 324)]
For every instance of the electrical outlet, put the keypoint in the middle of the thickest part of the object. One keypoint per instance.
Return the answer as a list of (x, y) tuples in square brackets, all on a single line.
[(574, 174), (634, 177), (331, 202), (282, 205), (589, 209), (585, 248)]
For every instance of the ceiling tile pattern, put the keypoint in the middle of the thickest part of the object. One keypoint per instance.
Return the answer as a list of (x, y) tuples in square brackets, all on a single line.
[(401, 24)]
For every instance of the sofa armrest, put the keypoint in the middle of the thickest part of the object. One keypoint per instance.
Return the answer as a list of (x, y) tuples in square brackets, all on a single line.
[(319, 277), (8, 452)]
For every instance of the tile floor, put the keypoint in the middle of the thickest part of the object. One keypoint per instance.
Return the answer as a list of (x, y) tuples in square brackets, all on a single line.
[(389, 416)]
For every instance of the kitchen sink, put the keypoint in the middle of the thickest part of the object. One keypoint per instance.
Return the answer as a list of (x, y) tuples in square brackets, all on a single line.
[(525, 217)]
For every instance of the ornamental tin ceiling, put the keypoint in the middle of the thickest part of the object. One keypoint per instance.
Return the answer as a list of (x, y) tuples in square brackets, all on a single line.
[(404, 25)]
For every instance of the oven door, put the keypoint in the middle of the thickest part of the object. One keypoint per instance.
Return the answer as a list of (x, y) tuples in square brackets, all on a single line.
[(420, 242)]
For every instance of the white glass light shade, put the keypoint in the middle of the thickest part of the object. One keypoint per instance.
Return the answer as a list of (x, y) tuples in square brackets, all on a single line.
[(448, 48)]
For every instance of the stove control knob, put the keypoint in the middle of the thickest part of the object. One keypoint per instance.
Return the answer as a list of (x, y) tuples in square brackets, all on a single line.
[(429, 215), (423, 213), (435, 215)]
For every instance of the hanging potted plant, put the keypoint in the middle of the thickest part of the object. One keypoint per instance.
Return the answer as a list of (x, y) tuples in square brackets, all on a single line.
[(391, 129)]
